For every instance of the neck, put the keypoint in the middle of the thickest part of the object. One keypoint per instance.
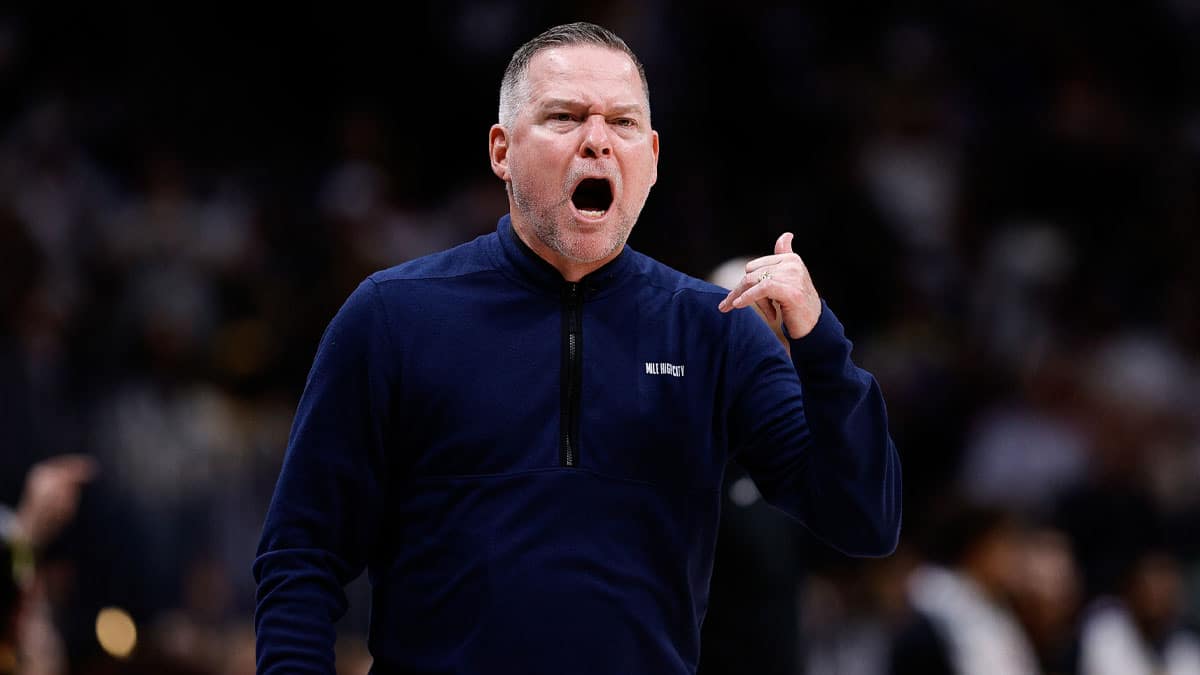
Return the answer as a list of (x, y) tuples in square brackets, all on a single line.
[(571, 270)]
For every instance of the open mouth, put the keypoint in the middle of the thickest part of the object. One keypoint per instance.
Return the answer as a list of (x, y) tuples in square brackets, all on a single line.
[(592, 197)]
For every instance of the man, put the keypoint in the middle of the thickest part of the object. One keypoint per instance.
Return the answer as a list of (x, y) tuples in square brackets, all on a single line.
[(522, 439)]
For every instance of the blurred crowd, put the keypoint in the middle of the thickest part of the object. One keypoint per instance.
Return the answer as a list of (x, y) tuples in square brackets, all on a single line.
[(1000, 200)]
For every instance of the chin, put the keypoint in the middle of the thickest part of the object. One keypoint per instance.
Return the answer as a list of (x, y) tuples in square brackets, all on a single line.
[(581, 240), (587, 254), (590, 247)]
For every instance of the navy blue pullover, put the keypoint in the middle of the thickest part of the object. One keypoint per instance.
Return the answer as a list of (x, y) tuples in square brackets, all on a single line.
[(529, 469)]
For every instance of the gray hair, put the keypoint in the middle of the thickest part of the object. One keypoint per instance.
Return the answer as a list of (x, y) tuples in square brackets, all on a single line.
[(579, 33)]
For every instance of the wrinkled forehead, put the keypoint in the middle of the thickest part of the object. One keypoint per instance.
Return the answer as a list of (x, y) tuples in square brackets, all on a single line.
[(588, 72)]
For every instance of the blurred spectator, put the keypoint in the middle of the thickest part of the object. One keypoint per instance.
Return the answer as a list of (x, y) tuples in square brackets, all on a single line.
[(58, 191), (1019, 290), (1139, 632), (29, 642), (1136, 400), (24, 438), (1046, 597), (51, 498), (963, 621), (359, 198), (1024, 452), (850, 613)]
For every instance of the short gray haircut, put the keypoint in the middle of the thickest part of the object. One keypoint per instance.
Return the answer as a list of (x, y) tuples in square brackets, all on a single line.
[(579, 33)]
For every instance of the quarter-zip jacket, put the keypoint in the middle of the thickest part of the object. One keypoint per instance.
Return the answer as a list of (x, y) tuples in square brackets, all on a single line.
[(529, 469)]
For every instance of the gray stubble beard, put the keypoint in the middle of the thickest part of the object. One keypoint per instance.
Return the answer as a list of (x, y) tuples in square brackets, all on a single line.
[(550, 234)]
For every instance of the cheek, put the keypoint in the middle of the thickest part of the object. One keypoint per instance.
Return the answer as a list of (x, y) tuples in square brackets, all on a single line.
[(535, 166), (645, 168), (525, 176)]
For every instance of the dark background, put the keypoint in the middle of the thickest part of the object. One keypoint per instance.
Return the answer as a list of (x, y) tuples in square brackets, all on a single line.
[(1001, 201)]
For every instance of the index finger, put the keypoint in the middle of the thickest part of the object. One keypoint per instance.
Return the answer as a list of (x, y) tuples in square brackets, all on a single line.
[(758, 263), (748, 281)]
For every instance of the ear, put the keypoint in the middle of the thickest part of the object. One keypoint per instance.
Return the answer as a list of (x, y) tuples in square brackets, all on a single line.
[(498, 149), (654, 149)]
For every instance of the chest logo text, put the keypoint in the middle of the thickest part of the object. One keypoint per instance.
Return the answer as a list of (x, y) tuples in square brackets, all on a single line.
[(664, 369)]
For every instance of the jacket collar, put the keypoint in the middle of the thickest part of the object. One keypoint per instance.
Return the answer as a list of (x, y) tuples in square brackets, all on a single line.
[(516, 256)]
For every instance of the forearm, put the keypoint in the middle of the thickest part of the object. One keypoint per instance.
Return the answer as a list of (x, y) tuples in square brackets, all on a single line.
[(314, 542), (817, 442), (325, 511), (299, 600), (854, 464)]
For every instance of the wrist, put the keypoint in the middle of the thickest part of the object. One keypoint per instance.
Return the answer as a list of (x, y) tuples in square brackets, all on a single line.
[(800, 326)]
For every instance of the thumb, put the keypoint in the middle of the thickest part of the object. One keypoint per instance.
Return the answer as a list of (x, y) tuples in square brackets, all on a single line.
[(784, 243)]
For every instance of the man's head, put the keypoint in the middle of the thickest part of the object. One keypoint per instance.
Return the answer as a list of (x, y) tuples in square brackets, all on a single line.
[(574, 144)]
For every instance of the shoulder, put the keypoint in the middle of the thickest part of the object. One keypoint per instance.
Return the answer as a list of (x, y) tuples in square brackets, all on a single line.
[(386, 297), (681, 286), (696, 300), (465, 259)]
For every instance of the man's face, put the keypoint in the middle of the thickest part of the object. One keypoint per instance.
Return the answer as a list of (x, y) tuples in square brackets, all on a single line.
[(580, 156)]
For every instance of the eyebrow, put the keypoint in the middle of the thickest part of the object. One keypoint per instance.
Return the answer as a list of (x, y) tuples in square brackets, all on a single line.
[(620, 109)]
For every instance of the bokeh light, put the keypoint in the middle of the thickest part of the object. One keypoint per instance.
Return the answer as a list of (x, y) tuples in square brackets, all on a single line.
[(116, 632)]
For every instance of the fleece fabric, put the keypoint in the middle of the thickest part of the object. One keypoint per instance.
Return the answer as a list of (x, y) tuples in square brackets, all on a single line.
[(529, 469)]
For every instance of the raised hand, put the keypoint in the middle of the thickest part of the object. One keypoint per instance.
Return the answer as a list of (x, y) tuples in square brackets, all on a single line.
[(781, 287)]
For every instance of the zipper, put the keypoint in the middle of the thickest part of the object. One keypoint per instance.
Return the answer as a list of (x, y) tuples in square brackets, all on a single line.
[(572, 371)]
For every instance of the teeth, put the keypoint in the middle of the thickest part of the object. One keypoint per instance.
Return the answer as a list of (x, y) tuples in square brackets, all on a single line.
[(592, 213)]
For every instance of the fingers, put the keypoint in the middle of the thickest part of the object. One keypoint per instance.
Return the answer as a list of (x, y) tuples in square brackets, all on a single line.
[(73, 468), (57, 478), (784, 243), (783, 251), (767, 309), (760, 291), (754, 275), (52, 493), (767, 260), (749, 279), (740, 295)]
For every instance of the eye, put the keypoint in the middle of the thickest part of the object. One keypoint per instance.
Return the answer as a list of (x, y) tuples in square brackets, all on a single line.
[(625, 122), (561, 117)]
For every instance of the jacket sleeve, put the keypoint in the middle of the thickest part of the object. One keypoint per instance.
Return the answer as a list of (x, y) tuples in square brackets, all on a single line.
[(326, 507), (813, 433)]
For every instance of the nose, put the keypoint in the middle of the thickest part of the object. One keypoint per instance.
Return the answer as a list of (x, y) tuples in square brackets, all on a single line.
[(596, 141)]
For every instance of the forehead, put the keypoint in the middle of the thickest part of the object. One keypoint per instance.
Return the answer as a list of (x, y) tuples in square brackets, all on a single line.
[(585, 71)]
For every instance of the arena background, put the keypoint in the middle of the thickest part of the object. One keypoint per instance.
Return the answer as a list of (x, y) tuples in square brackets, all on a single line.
[(1001, 200)]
